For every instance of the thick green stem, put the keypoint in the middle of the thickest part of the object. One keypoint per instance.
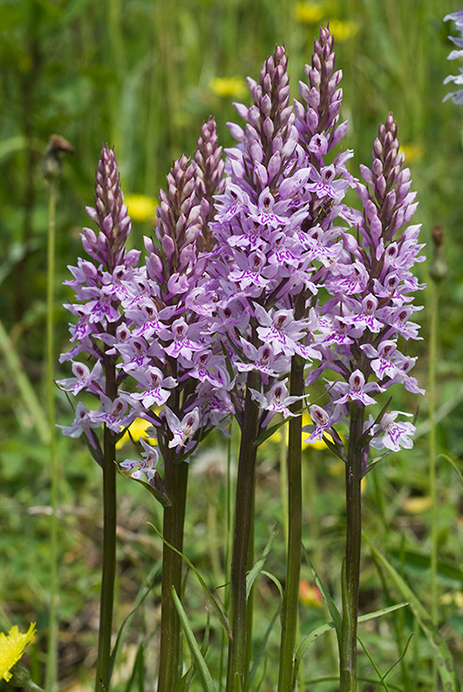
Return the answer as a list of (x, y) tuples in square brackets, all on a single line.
[(250, 599), (243, 528), (289, 614), (109, 541), (176, 481), (351, 567)]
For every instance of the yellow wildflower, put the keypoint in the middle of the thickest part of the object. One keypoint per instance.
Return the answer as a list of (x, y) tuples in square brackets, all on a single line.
[(310, 595), (137, 430), (308, 12), (228, 86), (416, 504), (343, 31), (12, 648), (453, 599), (141, 207), (413, 152)]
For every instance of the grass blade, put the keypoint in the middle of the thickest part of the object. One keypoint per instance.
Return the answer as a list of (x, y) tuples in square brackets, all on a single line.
[(332, 607), (258, 566), (142, 594), (213, 599), (443, 657), (203, 670), (316, 633)]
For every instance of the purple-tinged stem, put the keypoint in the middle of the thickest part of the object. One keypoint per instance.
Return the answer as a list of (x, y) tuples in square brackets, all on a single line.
[(109, 539), (351, 573), (243, 527), (176, 482), (289, 614)]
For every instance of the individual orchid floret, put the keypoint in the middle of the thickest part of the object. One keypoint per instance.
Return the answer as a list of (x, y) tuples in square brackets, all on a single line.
[(146, 466), (321, 423), (156, 387), (84, 378), (355, 390), (83, 422), (276, 401), (182, 431), (391, 434), (456, 96)]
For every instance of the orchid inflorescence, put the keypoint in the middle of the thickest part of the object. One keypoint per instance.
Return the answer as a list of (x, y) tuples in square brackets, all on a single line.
[(215, 297)]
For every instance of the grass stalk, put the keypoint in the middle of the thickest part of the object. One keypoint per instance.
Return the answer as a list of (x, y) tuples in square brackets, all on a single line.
[(243, 528), (351, 564), (51, 678), (33, 406), (432, 459), (176, 481)]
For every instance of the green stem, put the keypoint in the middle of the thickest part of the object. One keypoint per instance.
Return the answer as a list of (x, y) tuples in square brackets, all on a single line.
[(250, 599), (351, 566), (52, 656), (243, 528), (176, 481), (289, 614), (432, 458), (109, 541), (229, 540)]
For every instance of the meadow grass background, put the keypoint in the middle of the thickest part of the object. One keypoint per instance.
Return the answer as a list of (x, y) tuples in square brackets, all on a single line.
[(143, 76)]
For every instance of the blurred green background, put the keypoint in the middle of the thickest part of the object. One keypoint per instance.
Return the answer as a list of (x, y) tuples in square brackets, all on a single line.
[(142, 76)]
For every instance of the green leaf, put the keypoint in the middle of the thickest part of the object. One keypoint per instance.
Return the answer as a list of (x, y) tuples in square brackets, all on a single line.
[(316, 633), (268, 432), (453, 464), (158, 495), (203, 670), (332, 607), (416, 559), (142, 594), (258, 566), (262, 648), (137, 670), (443, 657), (213, 599)]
